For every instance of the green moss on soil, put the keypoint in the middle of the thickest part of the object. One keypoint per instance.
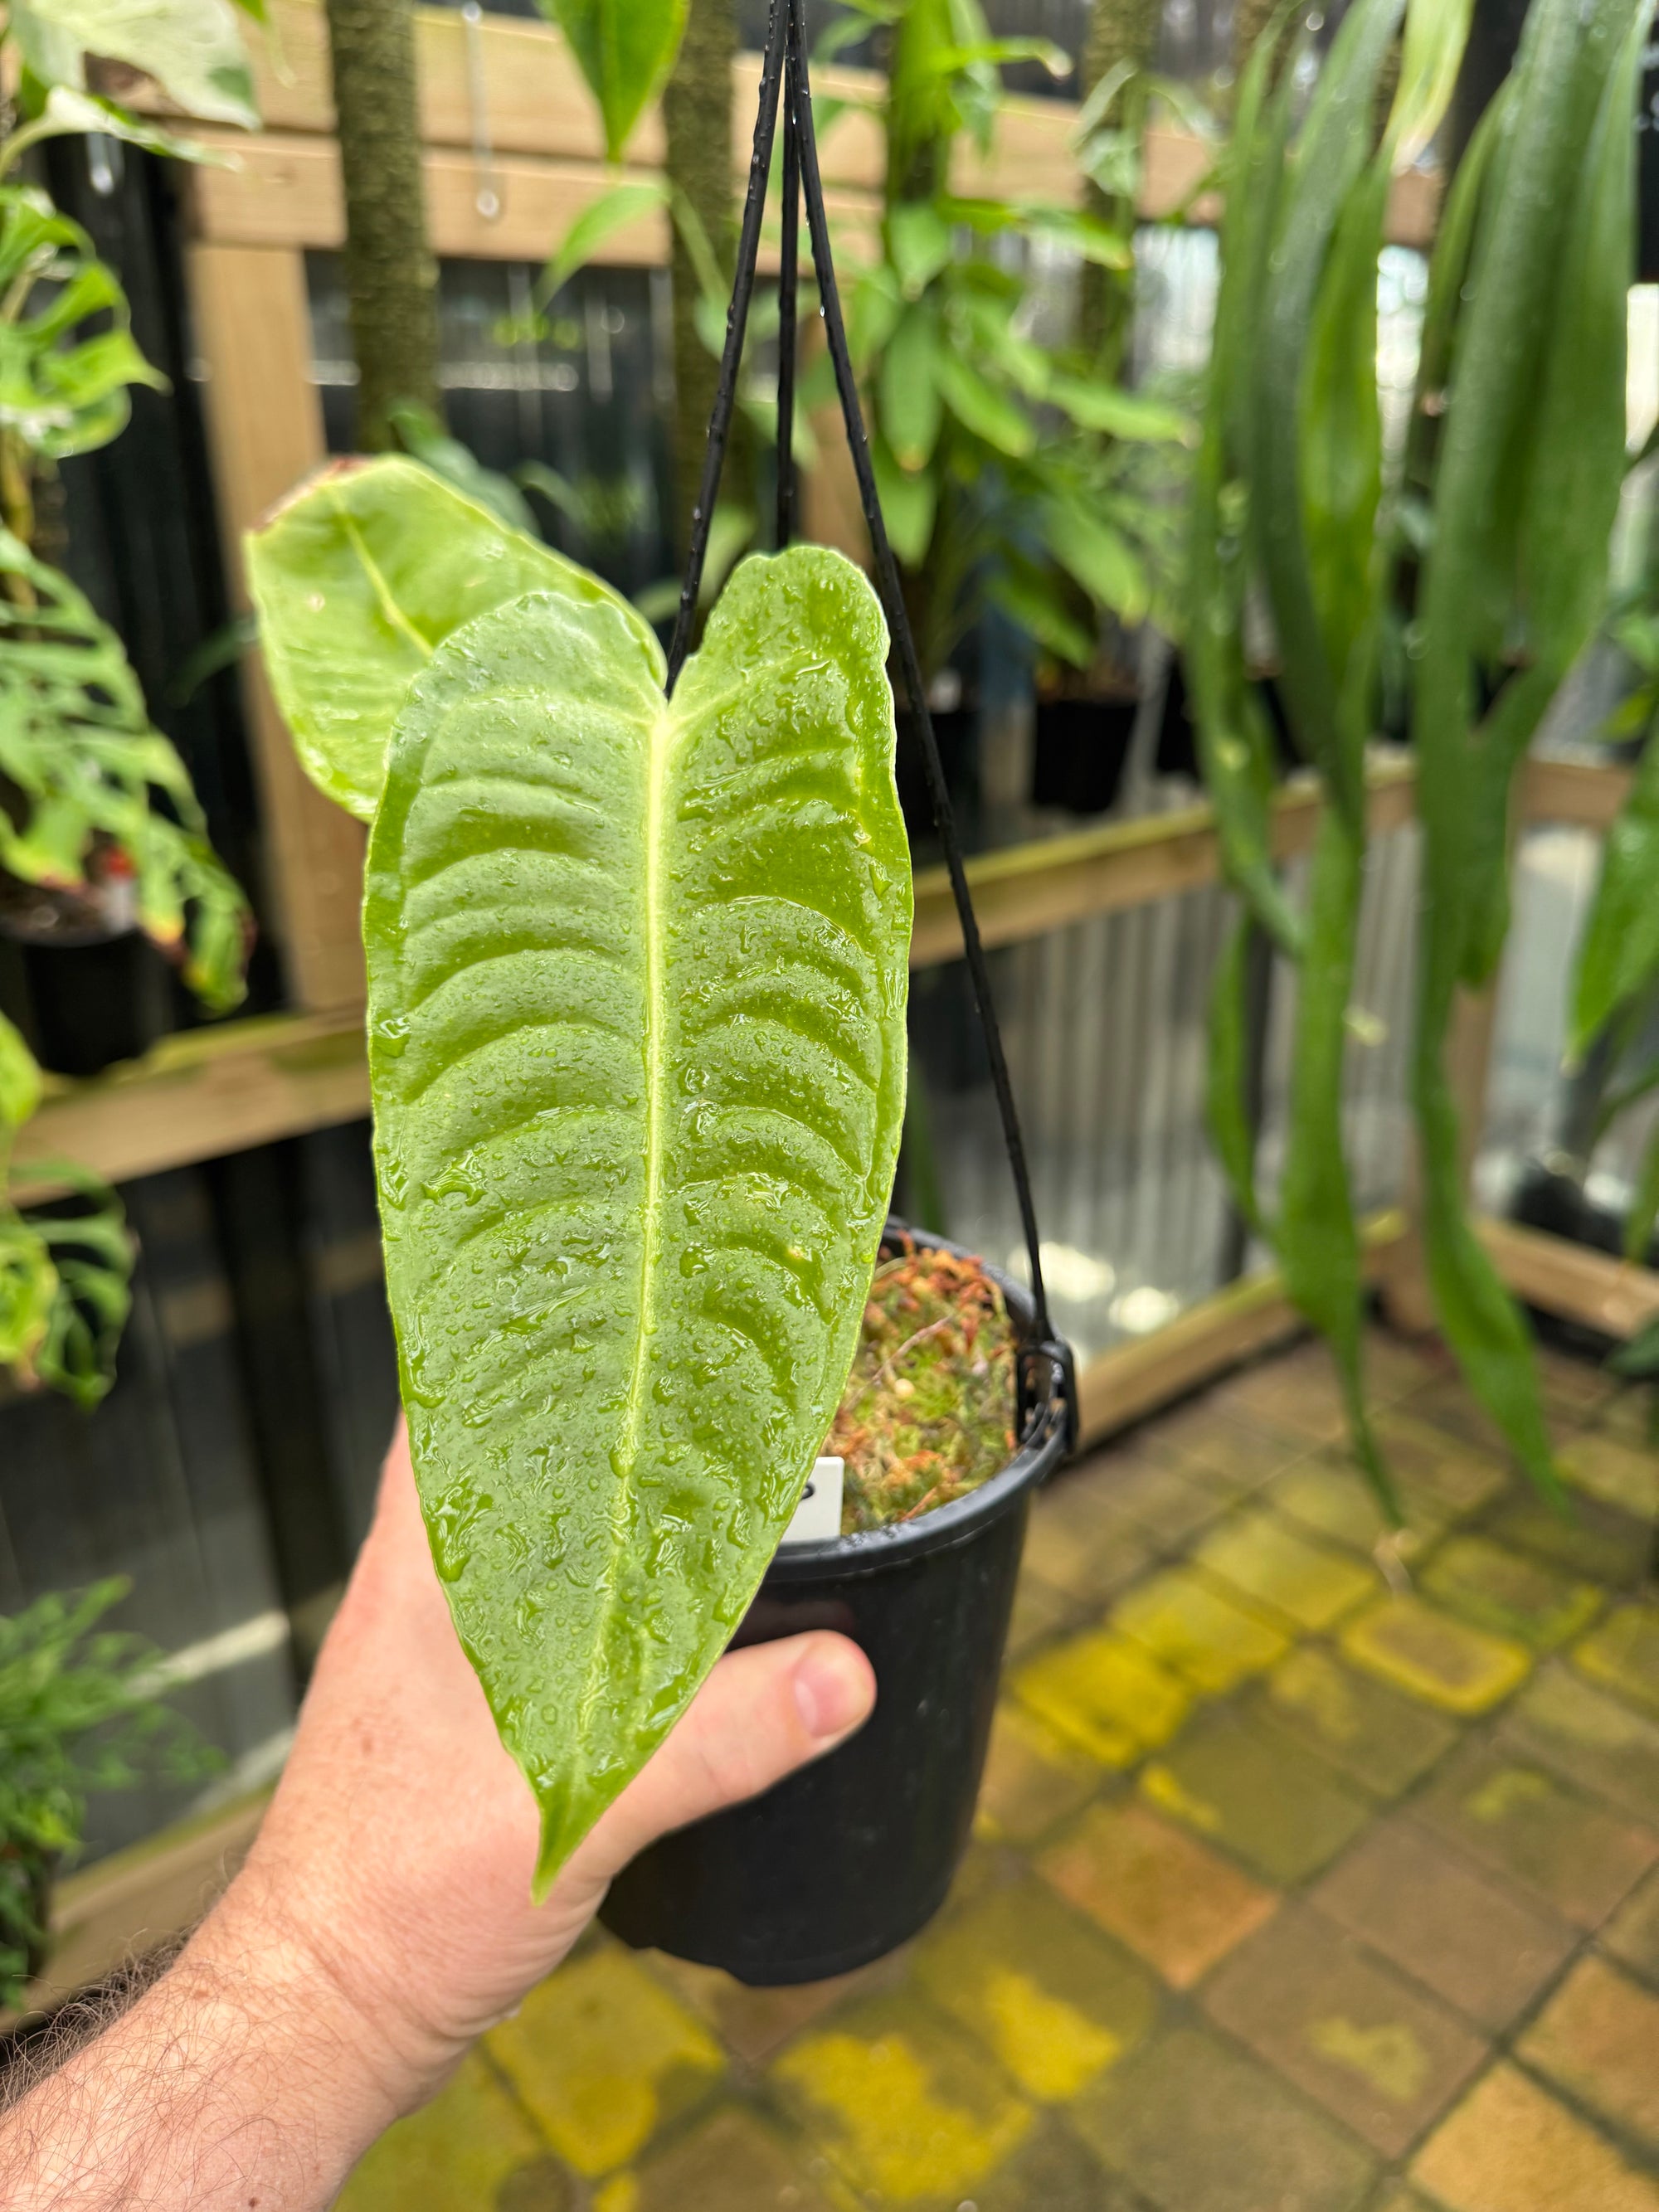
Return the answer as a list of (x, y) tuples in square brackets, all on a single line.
[(929, 1407)]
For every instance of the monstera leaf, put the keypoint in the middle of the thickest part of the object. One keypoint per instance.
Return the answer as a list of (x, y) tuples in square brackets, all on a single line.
[(359, 577), (637, 975)]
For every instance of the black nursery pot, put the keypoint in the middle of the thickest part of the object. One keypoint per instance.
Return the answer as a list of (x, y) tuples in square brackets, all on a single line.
[(851, 1856), (97, 1002)]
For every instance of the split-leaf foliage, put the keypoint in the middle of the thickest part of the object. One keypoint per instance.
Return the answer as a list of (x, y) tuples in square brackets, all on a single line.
[(1505, 499), (637, 982)]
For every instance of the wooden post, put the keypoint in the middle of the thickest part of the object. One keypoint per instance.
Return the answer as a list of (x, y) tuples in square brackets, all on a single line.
[(266, 431)]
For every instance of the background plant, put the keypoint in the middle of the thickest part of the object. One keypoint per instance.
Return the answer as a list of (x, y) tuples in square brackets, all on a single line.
[(78, 1712), (94, 800), (1492, 544)]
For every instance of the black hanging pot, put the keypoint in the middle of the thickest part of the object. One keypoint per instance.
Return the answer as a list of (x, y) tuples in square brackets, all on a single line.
[(1080, 750), (98, 990), (850, 1857)]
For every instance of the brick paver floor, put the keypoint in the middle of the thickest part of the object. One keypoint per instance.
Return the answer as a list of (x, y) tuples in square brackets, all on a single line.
[(1316, 1870)]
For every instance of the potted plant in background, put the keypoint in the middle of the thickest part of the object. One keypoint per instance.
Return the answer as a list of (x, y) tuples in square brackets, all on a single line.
[(1489, 536), (79, 1713), (103, 847)]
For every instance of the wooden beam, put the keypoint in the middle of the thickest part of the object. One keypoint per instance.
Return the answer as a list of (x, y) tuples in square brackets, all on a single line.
[(143, 1896), (199, 1095), (1587, 793), (1572, 1281), (1032, 889), (1131, 1380), (264, 423)]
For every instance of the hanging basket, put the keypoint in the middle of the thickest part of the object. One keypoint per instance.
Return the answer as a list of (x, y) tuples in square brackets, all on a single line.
[(851, 1856)]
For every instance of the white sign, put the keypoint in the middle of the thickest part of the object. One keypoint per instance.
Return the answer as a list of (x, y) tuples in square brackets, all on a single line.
[(817, 1518)]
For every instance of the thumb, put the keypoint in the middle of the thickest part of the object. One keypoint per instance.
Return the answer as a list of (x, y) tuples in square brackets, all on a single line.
[(762, 1712)]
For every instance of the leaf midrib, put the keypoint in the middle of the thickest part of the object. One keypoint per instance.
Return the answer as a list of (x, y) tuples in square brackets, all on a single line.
[(389, 606)]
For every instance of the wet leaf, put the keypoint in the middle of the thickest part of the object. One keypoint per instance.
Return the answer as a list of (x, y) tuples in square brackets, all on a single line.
[(359, 577), (192, 48), (625, 49), (637, 980)]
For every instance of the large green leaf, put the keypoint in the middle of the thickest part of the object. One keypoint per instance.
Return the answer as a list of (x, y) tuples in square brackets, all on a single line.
[(1620, 956), (624, 48), (192, 48), (637, 979), (20, 1085), (359, 577)]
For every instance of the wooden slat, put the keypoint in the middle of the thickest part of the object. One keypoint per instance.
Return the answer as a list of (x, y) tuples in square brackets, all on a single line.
[(1571, 1281), (284, 190), (200, 1095), (1132, 1379), (265, 426), (1587, 793), (1032, 889)]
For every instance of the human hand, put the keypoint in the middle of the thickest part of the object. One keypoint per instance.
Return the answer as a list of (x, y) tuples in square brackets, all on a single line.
[(397, 1852)]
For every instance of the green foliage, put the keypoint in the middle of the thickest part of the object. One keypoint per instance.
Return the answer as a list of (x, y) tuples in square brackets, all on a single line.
[(1619, 964), (359, 577), (62, 390), (65, 1277), (637, 981), (1506, 500), (1010, 473), (77, 746), (192, 48), (78, 1713), (625, 49)]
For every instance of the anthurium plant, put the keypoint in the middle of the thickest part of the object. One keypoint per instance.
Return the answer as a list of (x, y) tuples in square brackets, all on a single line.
[(95, 803), (1485, 547), (637, 971)]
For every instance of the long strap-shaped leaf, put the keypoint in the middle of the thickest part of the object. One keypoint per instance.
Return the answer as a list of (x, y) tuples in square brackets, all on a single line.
[(1527, 485), (637, 981)]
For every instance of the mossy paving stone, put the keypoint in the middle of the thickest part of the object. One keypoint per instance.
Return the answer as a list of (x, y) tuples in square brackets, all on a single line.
[(1380, 2056), (602, 2056), (753, 2023), (1298, 1395), (1274, 1805), (1079, 1541), (1377, 1737), (1054, 2001), (1309, 1585), (1034, 1778), (453, 2156), (1598, 2039), (1557, 1845), (1051, 2172), (1591, 1540), (1632, 1934), (1505, 1591), (1170, 1899), (906, 2108), (1432, 1655), (1511, 2147), (1459, 1931), (733, 2162), (1396, 1368), (1619, 1474), (1430, 1457), (1040, 1612), (1235, 1455), (1166, 1502), (1623, 1654), (1215, 1642), (1329, 1497), (1604, 1746), (1196, 2126), (1105, 1694)]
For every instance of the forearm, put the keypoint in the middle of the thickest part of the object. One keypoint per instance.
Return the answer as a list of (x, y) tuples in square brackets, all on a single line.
[(243, 2077)]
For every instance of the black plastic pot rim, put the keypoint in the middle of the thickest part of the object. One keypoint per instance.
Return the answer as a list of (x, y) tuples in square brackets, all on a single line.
[(872, 1550)]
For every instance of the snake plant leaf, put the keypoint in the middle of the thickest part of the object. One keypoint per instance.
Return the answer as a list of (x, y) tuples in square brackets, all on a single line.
[(624, 48), (1231, 1127), (1619, 960), (358, 576), (637, 978), (1645, 1205)]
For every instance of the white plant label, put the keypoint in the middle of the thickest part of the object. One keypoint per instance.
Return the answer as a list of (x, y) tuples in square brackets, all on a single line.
[(817, 1518)]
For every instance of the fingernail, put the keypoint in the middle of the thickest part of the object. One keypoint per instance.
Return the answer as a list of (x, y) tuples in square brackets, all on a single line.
[(831, 1692)]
